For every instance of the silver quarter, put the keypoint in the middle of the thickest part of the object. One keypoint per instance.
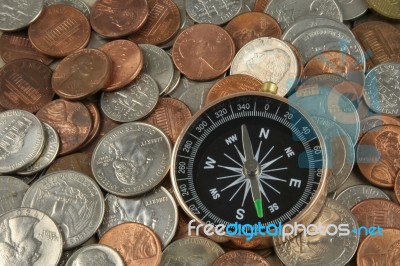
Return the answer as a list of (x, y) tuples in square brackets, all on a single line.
[(156, 209), (30, 178), (131, 159), (49, 153), (21, 140), (133, 102), (329, 249), (78, 4), (268, 59), (99, 255), (73, 200), (18, 14), (213, 11), (191, 251), (353, 195), (31, 238), (287, 12), (158, 65), (382, 89), (352, 9), (12, 191)]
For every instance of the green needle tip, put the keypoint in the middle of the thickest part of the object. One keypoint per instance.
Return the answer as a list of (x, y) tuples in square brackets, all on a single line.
[(259, 208)]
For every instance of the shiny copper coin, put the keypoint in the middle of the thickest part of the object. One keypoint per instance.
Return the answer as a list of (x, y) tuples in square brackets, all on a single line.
[(252, 25), (16, 45), (380, 250), (203, 51), (232, 84), (127, 61), (59, 31), (25, 84), (71, 120), (171, 116), (378, 155), (81, 74), (96, 119), (240, 258), (79, 162), (136, 243), (118, 18), (260, 5), (374, 212), (162, 24)]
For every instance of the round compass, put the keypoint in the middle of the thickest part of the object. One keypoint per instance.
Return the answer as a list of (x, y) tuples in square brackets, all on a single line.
[(250, 158)]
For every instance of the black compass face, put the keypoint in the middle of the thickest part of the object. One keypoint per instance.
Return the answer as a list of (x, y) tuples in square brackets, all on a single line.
[(248, 159)]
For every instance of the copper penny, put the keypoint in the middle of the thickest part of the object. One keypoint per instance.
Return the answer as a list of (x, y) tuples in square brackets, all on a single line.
[(252, 25), (171, 116), (71, 120), (380, 250), (162, 24), (232, 84), (203, 52), (240, 258), (81, 74), (16, 45), (397, 187), (380, 39), (260, 5), (118, 18), (25, 84), (378, 155), (96, 119), (374, 212), (79, 162), (136, 243), (127, 61)]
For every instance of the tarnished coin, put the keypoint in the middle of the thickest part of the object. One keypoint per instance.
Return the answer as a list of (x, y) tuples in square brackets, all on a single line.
[(213, 11), (375, 121), (323, 246), (81, 74), (191, 251), (25, 84), (12, 191), (59, 31), (49, 153), (131, 159), (240, 258), (353, 195), (118, 18), (99, 255), (21, 140), (203, 51), (78, 162), (136, 243), (127, 61), (352, 9), (73, 200), (382, 89), (78, 4), (269, 60), (133, 102), (156, 209), (16, 15), (31, 238), (387, 8)]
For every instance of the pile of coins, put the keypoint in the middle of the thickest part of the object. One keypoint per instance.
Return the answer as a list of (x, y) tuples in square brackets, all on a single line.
[(93, 96)]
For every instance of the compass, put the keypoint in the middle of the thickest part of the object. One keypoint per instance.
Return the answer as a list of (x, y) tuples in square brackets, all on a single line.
[(250, 158)]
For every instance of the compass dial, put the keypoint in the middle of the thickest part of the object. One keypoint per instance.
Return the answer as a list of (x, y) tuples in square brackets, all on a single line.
[(248, 159)]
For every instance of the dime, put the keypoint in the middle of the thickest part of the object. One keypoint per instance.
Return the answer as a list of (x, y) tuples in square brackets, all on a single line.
[(101, 255), (387, 8), (81, 74), (213, 11), (352, 9), (375, 121), (131, 159), (176, 77), (78, 162), (353, 195), (136, 243), (21, 140), (17, 15), (118, 18), (60, 30), (269, 60), (32, 238), (203, 51), (127, 61), (133, 102), (191, 251), (73, 200), (96, 119), (25, 84), (240, 258), (12, 191), (156, 209), (78, 4)]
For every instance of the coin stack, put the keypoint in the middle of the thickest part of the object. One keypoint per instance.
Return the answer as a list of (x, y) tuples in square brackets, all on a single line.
[(94, 94)]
